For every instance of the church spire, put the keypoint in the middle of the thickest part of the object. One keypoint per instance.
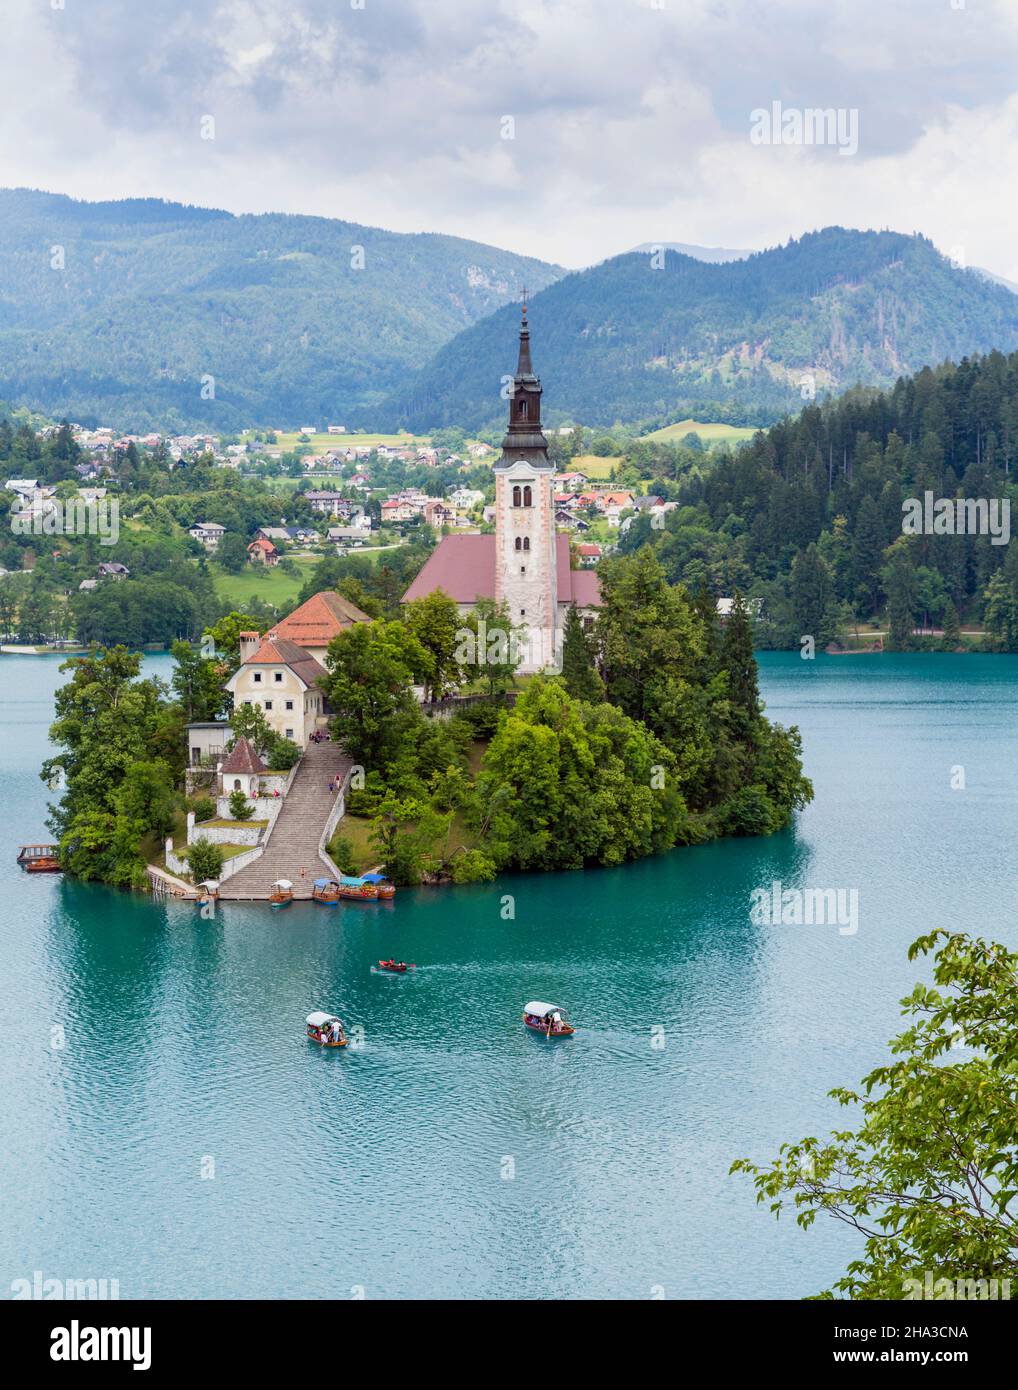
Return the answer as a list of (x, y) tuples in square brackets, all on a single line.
[(524, 440), (524, 367)]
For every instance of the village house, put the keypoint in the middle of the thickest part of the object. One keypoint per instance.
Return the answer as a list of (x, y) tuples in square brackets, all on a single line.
[(208, 533), (282, 679), (112, 569), (436, 513), (396, 509), (262, 552), (206, 741), (463, 498), (328, 503), (342, 536)]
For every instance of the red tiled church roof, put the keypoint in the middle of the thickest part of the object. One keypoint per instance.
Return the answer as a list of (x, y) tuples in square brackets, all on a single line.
[(316, 623), (464, 568), (243, 758), (277, 651)]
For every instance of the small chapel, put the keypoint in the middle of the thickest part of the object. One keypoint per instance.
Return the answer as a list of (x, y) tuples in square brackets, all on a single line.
[(525, 564)]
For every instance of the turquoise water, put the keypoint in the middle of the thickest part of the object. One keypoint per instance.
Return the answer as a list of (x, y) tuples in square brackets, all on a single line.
[(455, 1154)]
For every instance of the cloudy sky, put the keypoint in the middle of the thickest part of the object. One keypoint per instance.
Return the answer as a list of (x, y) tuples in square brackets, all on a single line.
[(567, 129)]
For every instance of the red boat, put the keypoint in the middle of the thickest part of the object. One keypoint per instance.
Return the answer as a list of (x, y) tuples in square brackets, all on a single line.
[(39, 859), (548, 1019), (394, 967)]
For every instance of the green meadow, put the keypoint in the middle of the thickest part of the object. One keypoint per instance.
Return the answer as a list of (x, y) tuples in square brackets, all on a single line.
[(709, 434)]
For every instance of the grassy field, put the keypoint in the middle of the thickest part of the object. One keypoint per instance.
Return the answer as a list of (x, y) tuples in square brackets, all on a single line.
[(287, 442), (594, 466), (709, 434), (258, 582)]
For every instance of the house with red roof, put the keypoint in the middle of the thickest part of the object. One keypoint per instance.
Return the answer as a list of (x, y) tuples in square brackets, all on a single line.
[(262, 552), (281, 672), (525, 564)]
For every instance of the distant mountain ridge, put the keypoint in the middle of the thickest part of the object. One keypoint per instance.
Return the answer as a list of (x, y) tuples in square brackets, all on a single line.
[(742, 341), (135, 312), (714, 255)]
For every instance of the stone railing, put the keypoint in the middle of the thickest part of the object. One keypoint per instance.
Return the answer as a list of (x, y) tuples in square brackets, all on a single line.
[(335, 816), (454, 704)]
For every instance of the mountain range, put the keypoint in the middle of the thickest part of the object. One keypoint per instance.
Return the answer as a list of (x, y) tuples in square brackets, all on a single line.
[(145, 314), (645, 339), (122, 312)]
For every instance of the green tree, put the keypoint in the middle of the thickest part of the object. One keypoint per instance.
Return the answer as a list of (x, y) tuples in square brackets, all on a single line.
[(240, 807), (490, 647), (952, 626), (248, 721), (929, 1177), (371, 671), (408, 834), (739, 666), (117, 741), (579, 671), (205, 860), (902, 588), (198, 682), (1000, 611), (814, 604), (224, 638), (436, 623), (231, 553)]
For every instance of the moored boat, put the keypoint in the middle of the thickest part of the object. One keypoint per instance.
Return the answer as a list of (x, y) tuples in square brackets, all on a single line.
[(386, 890), (326, 892), (548, 1019), (356, 889), (282, 894), (326, 1029), (39, 859), (208, 892)]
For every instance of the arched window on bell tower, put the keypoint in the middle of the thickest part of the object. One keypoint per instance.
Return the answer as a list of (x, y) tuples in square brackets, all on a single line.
[(528, 496), (517, 496)]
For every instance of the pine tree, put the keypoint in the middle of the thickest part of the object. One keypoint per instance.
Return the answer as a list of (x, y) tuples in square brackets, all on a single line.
[(738, 661), (952, 627), (901, 586), (578, 669), (705, 604)]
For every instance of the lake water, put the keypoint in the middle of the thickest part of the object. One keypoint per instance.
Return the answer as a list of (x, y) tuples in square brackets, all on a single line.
[(456, 1155)]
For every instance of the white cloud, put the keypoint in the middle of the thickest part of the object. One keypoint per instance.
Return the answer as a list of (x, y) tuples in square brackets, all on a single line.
[(631, 121)]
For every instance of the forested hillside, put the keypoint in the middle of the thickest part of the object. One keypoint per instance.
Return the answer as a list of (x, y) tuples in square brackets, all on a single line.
[(116, 312), (808, 516), (738, 341)]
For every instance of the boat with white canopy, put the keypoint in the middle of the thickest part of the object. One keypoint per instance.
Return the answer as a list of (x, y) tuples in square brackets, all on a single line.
[(549, 1019), (282, 893), (326, 1029)]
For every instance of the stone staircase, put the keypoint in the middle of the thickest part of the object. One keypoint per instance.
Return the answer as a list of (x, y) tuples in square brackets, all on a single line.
[(293, 844)]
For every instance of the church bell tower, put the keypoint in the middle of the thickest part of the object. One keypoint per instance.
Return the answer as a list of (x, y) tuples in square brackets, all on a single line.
[(525, 541)]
